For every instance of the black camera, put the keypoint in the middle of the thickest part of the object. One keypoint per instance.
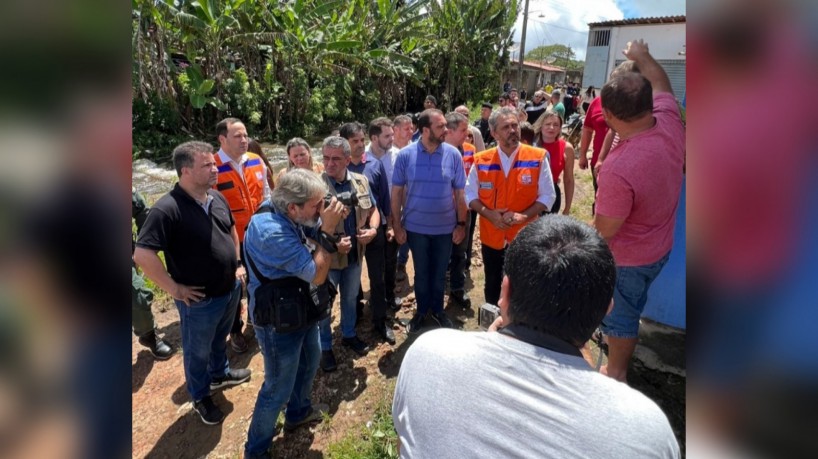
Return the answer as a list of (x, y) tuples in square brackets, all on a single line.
[(486, 315), (347, 198)]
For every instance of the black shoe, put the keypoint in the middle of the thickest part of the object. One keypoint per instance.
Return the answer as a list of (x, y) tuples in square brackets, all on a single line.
[(316, 414), (208, 411), (385, 332), (356, 345), (442, 320), (416, 324), (159, 348), (460, 298), (328, 363), (232, 378)]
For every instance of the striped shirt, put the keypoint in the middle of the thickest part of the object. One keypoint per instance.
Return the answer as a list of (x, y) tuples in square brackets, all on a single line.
[(429, 180)]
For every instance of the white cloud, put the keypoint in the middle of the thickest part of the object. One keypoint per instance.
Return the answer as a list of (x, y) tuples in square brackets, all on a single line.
[(566, 21), (653, 8)]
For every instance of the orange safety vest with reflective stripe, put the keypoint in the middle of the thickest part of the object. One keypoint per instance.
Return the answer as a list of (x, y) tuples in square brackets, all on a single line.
[(468, 156), (517, 192), (244, 196)]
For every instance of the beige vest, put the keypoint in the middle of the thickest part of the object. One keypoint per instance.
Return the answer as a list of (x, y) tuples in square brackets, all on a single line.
[(361, 187)]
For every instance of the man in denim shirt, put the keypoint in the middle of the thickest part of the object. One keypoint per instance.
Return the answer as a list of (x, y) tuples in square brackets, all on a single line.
[(282, 244)]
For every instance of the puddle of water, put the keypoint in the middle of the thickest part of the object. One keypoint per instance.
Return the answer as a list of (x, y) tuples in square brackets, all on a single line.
[(150, 178)]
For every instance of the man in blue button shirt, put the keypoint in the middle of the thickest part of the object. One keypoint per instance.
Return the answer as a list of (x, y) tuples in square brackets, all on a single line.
[(429, 211), (375, 173)]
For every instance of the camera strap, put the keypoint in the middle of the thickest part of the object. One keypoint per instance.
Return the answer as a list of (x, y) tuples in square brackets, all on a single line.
[(267, 209), (540, 339)]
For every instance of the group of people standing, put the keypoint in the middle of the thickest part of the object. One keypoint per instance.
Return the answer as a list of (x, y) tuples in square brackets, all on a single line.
[(224, 229)]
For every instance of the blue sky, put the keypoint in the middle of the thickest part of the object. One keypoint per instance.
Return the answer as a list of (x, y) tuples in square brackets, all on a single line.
[(566, 21)]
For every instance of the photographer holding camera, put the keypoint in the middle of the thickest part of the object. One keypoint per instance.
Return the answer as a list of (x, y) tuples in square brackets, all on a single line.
[(525, 390), (358, 228), (287, 252)]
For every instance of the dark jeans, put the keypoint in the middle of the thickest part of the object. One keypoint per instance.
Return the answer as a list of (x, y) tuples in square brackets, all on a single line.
[(457, 262), (376, 270), (238, 324), (290, 363), (493, 264), (555, 208), (596, 187), (390, 265), (472, 225), (431, 257), (205, 326), (403, 254)]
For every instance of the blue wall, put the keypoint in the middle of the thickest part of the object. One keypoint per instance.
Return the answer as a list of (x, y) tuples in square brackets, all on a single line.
[(667, 296)]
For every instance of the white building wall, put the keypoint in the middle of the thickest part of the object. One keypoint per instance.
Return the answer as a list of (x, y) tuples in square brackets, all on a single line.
[(665, 41)]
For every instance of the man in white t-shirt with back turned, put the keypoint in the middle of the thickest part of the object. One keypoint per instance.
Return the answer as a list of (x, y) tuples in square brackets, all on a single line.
[(525, 390)]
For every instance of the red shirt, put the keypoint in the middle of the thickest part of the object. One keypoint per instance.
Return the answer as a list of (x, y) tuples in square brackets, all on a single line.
[(641, 182), (556, 157), (595, 121)]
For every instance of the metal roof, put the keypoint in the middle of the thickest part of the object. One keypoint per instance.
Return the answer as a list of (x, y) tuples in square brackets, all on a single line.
[(540, 66), (640, 21)]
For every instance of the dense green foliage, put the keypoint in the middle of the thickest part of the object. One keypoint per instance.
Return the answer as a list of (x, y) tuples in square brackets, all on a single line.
[(301, 67), (559, 55)]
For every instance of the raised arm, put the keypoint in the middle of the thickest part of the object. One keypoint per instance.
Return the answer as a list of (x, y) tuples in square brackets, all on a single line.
[(638, 52)]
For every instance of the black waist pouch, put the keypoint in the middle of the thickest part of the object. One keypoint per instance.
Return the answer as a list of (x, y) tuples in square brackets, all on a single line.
[(284, 304)]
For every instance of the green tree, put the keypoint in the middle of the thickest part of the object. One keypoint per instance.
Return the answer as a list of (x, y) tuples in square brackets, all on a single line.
[(558, 55), (301, 67)]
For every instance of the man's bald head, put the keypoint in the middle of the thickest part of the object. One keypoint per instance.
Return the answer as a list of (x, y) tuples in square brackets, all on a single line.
[(463, 110)]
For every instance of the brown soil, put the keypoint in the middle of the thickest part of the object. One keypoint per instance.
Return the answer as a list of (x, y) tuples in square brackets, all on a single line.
[(164, 425)]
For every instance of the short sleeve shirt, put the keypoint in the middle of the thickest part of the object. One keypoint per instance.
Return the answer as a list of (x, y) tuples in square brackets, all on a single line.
[(595, 121), (430, 179), (198, 245), (641, 183)]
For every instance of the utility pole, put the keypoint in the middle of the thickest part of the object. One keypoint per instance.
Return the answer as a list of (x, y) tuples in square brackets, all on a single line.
[(522, 49)]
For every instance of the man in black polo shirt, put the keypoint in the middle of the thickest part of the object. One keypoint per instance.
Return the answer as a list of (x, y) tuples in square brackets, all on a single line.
[(193, 226)]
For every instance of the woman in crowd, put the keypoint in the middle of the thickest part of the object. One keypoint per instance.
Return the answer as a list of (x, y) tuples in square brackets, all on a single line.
[(548, 129), (587, 97), (299, 156)]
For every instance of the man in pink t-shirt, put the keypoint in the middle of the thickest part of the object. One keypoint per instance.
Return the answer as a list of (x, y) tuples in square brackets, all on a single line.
[(638, 193)]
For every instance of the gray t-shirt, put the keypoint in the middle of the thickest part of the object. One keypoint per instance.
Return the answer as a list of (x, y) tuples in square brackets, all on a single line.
[(478, 394)]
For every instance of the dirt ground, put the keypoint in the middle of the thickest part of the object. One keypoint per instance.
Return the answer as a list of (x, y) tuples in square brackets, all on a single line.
[(164, 425)]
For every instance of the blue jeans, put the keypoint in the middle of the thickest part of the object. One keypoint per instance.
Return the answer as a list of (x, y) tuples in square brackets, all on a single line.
[(347, 281), (205, 326), (431, 257), (630, 296), (403, 254), (290, 363)]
